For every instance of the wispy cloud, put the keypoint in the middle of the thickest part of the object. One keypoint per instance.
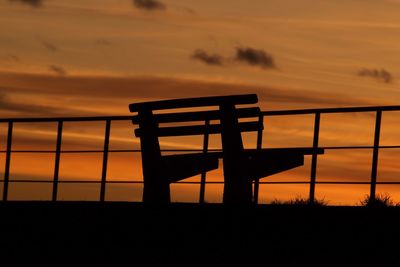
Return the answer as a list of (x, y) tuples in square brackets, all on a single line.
[(189, 10), (116, 93), (209, 59), (2, 99), (10, 106), (380, 75), (49, 46), (149, 5), (10, 58), (244, 55), (32, 3), (58, 70), (254, 57), (103, 42)]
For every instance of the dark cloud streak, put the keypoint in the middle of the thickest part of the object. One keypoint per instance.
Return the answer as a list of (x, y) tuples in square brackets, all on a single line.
[(246, 55), (32, 3), (254, 57), (126, 90), (103, 42), (7, 105), (189, 10), (10, 58), (149, 5), (58, 70), (49, 46), (380, 75), (209, 59)]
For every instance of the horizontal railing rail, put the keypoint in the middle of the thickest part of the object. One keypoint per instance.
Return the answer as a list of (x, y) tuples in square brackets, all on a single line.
[(188, 150), (68, 119), (375, 147), (330, 110), (193, 182)]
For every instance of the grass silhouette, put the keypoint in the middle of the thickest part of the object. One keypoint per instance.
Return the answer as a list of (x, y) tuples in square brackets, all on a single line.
[(300, 201), (380, 200)]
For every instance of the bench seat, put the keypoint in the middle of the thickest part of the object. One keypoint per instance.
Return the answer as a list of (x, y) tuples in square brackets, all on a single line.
[(182, 166), (259, 163)]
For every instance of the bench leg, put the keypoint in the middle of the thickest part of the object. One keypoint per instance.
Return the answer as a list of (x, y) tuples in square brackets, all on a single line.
[(156, 183), (237, 186)]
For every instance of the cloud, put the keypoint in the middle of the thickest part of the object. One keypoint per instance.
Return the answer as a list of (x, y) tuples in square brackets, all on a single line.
[(186, 10), (2, 99), (149, 5), (10, 107), (247, 55), (111, 95), (189, 10), (209, 59), (254, 57), (14, 58), (58, 70), (103, 42), (10, 58), (49, 46), (380, 75), (32, 3)]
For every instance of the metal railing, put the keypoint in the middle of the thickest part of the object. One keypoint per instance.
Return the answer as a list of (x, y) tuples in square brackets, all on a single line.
[(375, 147), (58, 151), (378, 110)]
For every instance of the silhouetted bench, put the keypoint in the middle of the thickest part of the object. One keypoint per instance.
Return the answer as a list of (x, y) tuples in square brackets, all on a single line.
[(241, 166)]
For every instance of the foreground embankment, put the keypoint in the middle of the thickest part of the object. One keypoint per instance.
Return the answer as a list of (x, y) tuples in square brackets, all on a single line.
[(129, 234)]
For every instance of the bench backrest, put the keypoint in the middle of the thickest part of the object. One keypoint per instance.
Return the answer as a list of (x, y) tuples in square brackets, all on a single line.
[(146, 117), (194, 102)]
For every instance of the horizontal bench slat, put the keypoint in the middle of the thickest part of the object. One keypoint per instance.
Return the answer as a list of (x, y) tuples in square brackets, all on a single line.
[(200, 129), (194, 102), (200, 115), (277, 152), (282, 151)]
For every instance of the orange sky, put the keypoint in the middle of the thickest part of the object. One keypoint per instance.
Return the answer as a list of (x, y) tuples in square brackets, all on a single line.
[(94, 57)]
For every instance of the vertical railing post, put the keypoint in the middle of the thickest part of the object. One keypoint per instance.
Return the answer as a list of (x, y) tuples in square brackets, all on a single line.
[(374, 169), (259, 147), (314, 158), (203, 174), (105, 160), (8, 161), (57, 160)]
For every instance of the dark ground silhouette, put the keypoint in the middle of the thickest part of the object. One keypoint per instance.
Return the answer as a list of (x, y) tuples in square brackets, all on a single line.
[(128, 234)]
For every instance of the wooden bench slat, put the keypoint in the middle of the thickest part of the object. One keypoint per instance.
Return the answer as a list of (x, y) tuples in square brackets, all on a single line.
[(282, 151), (194, 102), (199, 115), (277, 152), (200, 129)]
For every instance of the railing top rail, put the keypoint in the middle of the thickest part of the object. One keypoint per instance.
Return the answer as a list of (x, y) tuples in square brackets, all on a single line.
[(330, 110), (66, 119), (266, 113)]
